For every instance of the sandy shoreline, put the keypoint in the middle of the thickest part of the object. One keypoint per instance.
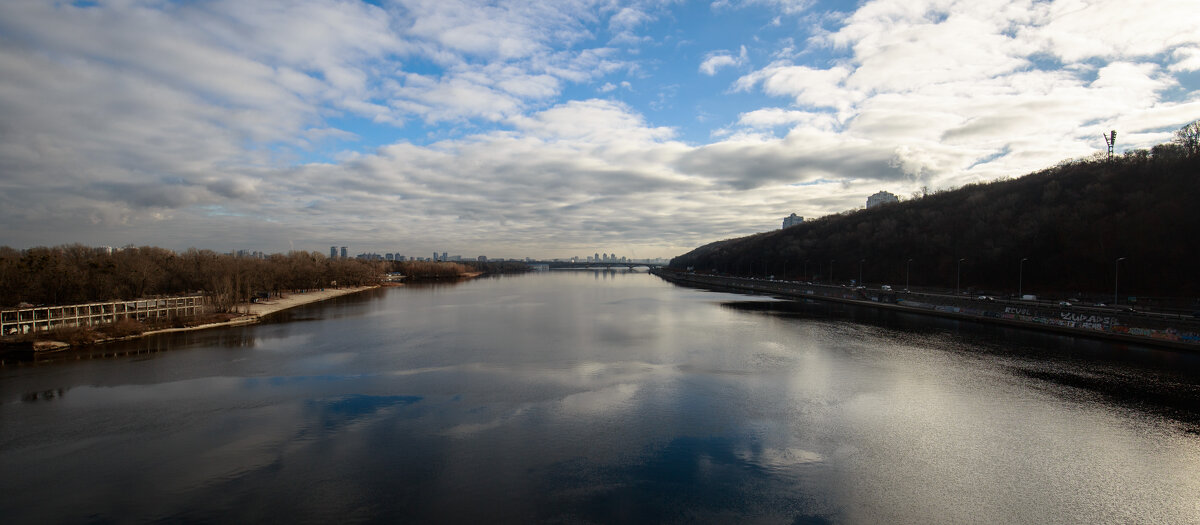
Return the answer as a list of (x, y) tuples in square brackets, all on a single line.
[(276, 304), (256, 311)]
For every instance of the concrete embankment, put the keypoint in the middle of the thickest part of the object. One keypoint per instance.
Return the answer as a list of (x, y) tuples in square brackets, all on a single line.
[(1174, 331)]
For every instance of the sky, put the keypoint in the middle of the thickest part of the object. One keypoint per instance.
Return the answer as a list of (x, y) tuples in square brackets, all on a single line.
[(550, 129)]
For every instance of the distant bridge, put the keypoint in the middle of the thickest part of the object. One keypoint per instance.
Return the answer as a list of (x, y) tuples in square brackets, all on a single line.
[(568, 265)]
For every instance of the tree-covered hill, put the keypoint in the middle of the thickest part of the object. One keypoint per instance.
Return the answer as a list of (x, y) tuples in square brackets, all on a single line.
[(1071, 222)]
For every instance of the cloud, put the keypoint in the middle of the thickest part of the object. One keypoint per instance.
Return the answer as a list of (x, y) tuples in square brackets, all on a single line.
[(577, 175), (789, 7), (424, 124), (1075, 31), (720, 59), (749, 162), (776, 117), (1187, 59), (807, 85), (963, 91), (609, 87)]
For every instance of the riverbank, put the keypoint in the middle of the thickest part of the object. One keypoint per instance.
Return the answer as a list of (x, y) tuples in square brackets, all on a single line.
[(254, 312), (244, 313), (1172, 331)]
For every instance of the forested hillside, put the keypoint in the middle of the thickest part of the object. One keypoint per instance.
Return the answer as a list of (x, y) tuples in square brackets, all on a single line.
[(1071, 222)]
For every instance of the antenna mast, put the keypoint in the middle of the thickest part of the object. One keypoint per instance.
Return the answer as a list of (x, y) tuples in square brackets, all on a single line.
[(1111, 140)]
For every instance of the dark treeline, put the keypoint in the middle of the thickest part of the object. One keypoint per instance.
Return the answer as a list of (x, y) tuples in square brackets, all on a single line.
[(418, 270), (79, 274), (494, 267), (1072, 222)]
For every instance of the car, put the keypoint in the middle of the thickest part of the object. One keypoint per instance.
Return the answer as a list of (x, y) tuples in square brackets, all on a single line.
[(886, 288), (985, 298), (1064, 303)]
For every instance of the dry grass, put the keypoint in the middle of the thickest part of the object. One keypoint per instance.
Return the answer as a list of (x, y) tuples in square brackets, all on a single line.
[(122, 328)]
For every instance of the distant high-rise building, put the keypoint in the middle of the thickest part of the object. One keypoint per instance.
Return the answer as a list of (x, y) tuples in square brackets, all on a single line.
[(882, 197), (345, 253), (333, 252), (792, 220), (445, 257)]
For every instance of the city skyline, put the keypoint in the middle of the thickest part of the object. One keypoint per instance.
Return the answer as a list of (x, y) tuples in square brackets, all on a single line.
[(537, 129)]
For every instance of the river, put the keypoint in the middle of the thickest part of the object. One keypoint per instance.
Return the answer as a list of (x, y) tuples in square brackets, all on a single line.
[(601, 397)]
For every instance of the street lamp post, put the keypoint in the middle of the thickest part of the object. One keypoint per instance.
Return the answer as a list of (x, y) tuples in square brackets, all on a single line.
[(831, 271), (860, 265), (805, 277), (1021, 278), (907, 267), (958, 279), (1117, 279)]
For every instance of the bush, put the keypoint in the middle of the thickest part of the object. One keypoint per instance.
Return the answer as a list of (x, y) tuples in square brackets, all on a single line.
[(123, 328)]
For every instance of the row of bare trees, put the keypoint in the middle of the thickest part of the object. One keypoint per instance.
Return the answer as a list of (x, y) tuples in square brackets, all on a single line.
[(430, 270), (78, 274)]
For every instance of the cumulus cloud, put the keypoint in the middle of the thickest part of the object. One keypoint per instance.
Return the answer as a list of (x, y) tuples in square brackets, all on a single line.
[(962, 91), (720, 59), (1187, 59), (155, 107), (220, 124), (807, 85)]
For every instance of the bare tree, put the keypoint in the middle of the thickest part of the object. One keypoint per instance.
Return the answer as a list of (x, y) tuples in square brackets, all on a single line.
[(1188, 138)]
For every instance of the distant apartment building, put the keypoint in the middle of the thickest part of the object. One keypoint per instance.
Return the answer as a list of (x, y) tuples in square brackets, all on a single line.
[(345, 253), (333, 252), (882, 197), (792, 220)]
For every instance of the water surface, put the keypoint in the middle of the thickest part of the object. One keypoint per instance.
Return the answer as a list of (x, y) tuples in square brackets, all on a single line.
[(595, 397)]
